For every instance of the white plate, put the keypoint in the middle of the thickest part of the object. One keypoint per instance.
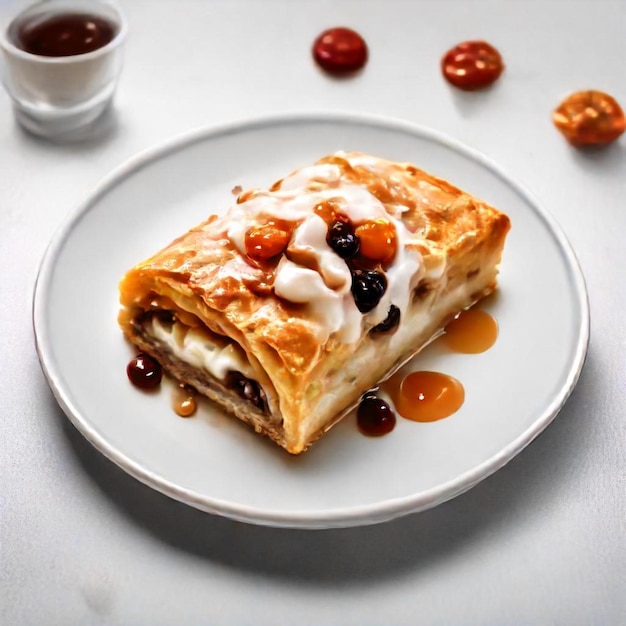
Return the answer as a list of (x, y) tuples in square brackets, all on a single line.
[(215, 463)]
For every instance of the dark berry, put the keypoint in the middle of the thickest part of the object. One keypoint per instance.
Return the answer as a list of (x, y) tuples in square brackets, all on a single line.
[(144, 372), (375, 417), (390, 322), (247, 389), (342, 240), (368, 287), (164, 316)]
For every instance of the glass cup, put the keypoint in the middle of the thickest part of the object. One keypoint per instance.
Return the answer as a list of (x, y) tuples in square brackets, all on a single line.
[(59, 95)]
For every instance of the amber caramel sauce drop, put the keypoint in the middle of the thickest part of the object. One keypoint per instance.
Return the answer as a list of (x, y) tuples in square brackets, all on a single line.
[(428, 396), (471, 332), (184, 401)]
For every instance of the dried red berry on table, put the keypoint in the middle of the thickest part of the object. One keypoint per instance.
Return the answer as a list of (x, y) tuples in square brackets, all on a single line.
[(588, 118), (340, 51), (472, 65)]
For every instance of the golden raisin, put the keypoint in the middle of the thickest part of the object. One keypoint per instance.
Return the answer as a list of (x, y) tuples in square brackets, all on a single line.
[(589, 118), (378, 240), (268, 240)]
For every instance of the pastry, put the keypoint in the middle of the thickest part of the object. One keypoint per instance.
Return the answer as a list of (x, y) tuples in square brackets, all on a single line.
[(299, 298)]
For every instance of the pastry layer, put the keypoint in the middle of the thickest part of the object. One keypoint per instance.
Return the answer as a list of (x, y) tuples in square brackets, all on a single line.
[(280, 341)]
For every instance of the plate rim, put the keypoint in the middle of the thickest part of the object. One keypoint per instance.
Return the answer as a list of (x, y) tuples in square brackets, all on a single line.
[(383, 510)]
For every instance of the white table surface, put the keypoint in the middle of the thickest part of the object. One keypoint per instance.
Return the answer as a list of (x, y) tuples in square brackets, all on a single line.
[(543, 541)]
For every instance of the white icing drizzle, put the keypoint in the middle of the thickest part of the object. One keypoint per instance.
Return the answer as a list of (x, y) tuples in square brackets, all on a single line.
[(324, 284), (310, 237), (299, 284), (322, 172)]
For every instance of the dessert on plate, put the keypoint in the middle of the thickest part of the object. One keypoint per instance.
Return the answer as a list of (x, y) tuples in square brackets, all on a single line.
[(301, 297)]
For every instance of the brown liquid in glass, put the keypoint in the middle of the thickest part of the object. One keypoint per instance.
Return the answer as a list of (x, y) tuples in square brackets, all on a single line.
[(64, 34)]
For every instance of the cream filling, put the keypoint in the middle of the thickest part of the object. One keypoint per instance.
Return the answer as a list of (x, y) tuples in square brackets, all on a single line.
[(197, 348)]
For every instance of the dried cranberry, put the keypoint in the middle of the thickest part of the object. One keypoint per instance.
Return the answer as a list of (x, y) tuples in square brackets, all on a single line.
[(374, 416), (340, 51), (368, 287), (472, 65), (144, 372), (390, 322), (342, 240)]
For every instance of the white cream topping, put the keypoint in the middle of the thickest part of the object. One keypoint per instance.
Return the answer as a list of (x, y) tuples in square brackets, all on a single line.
[(299, 284), (310, 238), (333, 309), (322, 172), (198, 349), (237, 227), (324, 284)]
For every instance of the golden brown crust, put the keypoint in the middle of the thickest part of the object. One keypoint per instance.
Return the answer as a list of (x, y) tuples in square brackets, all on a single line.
[(202, 275)]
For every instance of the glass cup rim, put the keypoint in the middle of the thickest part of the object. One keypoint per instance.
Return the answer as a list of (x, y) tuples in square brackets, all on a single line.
[(7, 45)]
